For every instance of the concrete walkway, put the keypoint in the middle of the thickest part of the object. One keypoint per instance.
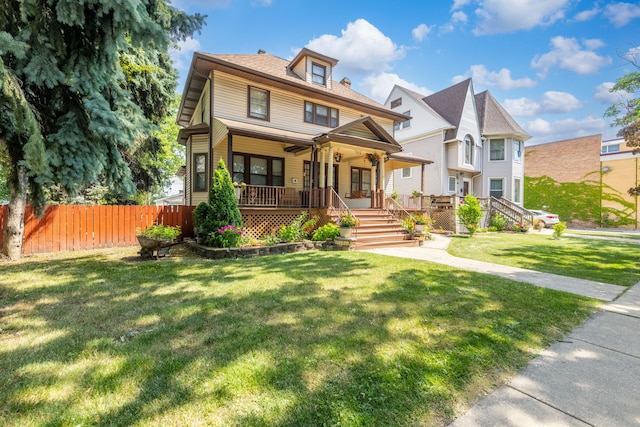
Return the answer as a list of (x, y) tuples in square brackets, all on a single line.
[(589, 378)]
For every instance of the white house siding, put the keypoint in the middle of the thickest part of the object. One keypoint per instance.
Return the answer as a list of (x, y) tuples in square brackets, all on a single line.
[(187, 175), (286, 109), (429, 147)]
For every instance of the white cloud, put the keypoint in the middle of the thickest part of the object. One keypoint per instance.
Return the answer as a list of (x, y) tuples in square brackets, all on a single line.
[(633, 55), (586, 15), (603, 94), (501, 79), (378, 86), (457, 4), (505, 16), (593, 44), (620, 14), (566, 53), (544, 131), (421, 32), (459, 17), (361, 48), (182, 55), (550, 102)]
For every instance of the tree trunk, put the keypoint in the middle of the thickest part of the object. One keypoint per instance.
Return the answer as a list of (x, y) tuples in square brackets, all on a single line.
[(14, 226)]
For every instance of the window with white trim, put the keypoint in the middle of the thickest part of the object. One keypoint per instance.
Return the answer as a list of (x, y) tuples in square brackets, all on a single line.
[(406, 173), (496, 149), (496, 187), (468, 150), (453, 184), (516, 190), (517, 151), (405, 124)]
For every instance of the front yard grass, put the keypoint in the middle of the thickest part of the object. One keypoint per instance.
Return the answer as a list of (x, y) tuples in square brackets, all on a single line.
[(318, 338), (604, 261)]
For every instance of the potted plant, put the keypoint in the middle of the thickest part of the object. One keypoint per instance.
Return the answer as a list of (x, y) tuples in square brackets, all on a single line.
[(239, 188), (521, 227), (373, 158), (346, 221), (421, 221)]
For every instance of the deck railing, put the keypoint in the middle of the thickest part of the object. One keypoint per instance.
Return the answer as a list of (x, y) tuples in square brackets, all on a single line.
[(264, 196)]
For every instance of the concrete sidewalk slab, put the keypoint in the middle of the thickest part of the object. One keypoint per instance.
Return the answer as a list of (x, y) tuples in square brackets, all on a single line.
[(611, 331), (628, 304), (435, 251)]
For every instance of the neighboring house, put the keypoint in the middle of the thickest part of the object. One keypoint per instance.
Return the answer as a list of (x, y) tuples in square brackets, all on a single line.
[(584, 180), (476, 146), (287, 129)]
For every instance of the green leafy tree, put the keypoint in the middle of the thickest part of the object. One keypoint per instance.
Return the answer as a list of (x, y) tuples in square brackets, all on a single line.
[(69, 106), (470, 213), (626, 112)]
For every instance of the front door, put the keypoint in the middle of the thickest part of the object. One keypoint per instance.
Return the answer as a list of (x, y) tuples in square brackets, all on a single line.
[(466, 187)]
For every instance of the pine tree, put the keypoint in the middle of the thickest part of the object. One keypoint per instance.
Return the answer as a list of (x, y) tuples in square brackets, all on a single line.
[(222, 199), (70, 107)]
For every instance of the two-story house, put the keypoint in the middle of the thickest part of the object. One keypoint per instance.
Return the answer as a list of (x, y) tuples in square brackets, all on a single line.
[(475, 144), (295, 136)]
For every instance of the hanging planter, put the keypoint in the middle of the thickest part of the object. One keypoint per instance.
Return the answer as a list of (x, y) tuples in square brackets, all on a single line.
[(373, 158), (337, 157)]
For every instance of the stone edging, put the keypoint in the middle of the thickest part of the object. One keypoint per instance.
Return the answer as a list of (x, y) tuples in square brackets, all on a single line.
[(254, 251)]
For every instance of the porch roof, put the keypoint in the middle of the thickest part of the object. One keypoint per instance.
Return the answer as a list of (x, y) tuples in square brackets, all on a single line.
[(401, 160)]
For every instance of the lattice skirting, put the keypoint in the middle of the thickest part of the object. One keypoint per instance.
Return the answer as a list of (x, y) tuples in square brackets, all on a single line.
[(443, 219), (261, 223)]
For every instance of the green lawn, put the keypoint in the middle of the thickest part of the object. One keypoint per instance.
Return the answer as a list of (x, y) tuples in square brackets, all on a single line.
[(309, 339), (600, 260), (604, 233)]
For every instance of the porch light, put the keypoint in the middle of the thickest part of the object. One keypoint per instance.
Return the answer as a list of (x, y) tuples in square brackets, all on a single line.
[(337, 157)]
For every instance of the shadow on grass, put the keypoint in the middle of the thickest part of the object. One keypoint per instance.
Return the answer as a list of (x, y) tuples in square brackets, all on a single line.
[(305, 339)]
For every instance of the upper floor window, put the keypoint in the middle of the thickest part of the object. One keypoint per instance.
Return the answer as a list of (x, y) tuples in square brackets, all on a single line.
[(396, 103), (468, 150), (319, 74), (496, 149), (614, 148), (404, 124), (517, 151), (200, 172), (406, 173), (258, 103), (320, 114)]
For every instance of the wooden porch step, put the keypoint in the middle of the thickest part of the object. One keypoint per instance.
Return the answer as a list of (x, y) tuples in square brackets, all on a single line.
[(378, 229)]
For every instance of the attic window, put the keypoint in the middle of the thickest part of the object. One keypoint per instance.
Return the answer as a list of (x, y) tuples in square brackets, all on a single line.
[(396, 103), (319, 74)]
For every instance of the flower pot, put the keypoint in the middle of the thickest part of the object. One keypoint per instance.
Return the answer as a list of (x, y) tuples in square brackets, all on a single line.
[(419, 228), (345, 231), (374, 163), (238, 192)]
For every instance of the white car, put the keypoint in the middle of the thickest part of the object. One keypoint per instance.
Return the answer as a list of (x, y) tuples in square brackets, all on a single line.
[(548, 219)]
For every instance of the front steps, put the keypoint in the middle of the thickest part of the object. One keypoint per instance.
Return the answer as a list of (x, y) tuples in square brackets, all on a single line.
[(378, 229)]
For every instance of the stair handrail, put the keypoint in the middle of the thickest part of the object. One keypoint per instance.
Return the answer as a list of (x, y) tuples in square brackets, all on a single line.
[(518, 213), (398, 205), (335, 197)]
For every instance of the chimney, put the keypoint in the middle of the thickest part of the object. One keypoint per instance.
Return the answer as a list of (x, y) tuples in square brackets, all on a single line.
[(261, 51), (346, 82)]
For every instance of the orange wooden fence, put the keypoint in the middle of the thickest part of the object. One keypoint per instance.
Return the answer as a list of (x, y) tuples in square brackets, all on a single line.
[(76, 227)]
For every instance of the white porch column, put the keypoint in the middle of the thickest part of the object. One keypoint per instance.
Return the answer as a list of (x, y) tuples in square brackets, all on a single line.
[(381, 174), (330, 169), (322, 175)]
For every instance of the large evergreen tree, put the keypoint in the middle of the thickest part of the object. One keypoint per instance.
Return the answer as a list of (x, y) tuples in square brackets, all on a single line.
[(75, 95)]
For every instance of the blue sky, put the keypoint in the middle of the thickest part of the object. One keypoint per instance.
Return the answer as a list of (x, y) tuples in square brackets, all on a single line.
[(549, 62)]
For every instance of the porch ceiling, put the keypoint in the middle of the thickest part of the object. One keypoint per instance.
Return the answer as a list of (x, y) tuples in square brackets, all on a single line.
[(399, 161)]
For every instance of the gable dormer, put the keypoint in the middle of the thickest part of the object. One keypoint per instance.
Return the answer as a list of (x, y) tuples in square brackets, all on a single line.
[(313, 67)]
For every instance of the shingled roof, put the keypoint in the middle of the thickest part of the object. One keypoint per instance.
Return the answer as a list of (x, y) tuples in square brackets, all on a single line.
[(494, 119), (274, 71), (449, 103)]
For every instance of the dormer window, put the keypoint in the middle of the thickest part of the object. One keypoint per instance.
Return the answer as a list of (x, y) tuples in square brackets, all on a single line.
[(319, 74)]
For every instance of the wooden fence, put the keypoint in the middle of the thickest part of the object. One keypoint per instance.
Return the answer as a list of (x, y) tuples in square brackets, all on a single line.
[(76, 227)]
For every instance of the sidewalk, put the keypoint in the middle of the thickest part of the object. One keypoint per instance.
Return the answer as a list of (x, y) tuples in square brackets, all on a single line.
[(589, 378)]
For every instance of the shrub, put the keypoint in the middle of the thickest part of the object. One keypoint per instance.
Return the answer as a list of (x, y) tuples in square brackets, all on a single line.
[(326, 232), (422, 219), (409, 225), (228, 236), (222, 200), (201, 219), (492, 229), (301, 228), (271, 240), (499, 222), (470, 213), (559, 229)]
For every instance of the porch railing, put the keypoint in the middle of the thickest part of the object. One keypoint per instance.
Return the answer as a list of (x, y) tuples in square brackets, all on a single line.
[(396, 210), (264, 196), (512, 211), (338, 207)]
